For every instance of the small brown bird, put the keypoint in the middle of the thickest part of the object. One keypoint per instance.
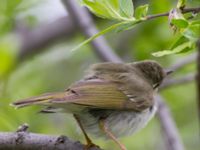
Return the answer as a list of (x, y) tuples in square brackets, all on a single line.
[(112, 100)]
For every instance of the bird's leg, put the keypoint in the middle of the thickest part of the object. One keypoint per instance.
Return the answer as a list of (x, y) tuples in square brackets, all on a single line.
[(88, 140), (106, 130)]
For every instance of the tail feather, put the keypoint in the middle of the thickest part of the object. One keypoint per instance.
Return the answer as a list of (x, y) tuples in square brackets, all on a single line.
[(43, 100)]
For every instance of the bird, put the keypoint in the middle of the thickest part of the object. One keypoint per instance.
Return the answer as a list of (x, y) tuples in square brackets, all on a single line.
[(112, 100)]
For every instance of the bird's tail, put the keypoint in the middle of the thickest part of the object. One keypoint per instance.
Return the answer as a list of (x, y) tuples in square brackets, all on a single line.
[(38, 100)]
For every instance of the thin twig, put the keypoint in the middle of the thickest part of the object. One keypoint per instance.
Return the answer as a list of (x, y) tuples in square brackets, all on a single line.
[(185, 10), (194, 10), (181, 80), (184, 61)]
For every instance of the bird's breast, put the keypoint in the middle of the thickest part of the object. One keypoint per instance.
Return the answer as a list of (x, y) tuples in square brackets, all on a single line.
[(120, 123)]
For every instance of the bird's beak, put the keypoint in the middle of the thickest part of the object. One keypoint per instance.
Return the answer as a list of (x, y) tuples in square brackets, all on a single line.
[(168, 71)]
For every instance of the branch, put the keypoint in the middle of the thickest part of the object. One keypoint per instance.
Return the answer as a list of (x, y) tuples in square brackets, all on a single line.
[(182, 80), (184, 61), (31, 141), (176, 66), (36, 40), (85, 24), (184, 10), (23, 140), (170, 133)]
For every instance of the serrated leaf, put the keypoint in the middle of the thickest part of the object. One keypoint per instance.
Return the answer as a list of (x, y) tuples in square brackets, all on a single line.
[(141, 11), (126, 8), (183, 47), (180, 23)]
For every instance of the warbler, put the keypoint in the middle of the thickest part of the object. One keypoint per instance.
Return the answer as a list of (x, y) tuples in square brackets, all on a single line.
[(112, 100)]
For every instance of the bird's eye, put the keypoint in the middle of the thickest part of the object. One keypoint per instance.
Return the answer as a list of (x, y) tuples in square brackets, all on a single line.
[(155, 85)]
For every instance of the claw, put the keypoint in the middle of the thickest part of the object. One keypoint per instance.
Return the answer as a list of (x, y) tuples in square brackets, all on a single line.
[(91, 145)]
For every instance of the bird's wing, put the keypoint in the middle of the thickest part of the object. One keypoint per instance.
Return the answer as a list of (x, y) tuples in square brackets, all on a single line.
[(95, 93), (129, 80), (102, 94), (92, 93), (119, 89)]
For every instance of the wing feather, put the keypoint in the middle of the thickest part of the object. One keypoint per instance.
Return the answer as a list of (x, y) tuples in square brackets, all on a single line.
[(92, 93), (95, 93)]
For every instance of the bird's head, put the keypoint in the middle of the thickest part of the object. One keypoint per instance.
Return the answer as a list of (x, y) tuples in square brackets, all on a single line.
[(152, 71)]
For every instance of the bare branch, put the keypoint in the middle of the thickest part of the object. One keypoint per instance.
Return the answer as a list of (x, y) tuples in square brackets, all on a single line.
[(176, 66), (170, 132), (181, 80), (184, 61), (82, 18), (35, 40), (32, 141)]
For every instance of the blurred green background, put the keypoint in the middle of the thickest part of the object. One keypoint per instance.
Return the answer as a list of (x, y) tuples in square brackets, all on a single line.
[(56, 67)]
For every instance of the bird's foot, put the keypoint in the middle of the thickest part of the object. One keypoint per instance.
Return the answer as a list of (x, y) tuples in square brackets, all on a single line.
[(91, 146)]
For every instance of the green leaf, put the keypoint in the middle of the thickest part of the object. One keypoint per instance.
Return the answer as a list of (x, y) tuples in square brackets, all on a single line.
[(180, 22), (181, 3), (111, 9), (178, 42), (99, 8), (126, 8), (180, 48), (192, 32), (141, 11), (195, 22)]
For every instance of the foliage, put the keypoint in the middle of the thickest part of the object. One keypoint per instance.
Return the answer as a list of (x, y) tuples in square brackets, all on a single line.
[(189, 34), (115, 9)]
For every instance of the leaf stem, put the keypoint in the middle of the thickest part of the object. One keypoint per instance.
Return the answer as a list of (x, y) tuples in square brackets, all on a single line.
[(99, 34)]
